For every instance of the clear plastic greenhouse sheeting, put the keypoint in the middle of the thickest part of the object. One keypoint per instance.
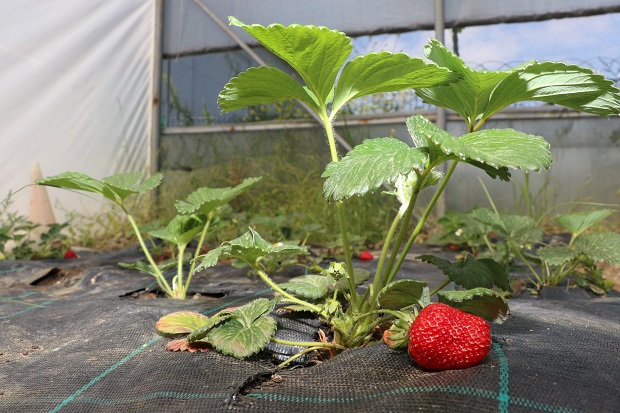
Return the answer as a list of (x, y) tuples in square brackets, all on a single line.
[(76, 81), (189, 28)]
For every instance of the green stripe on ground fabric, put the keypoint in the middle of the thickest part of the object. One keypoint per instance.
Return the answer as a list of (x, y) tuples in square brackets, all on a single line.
[(103, 374), (27, 309), (504, 396), (113, 367)]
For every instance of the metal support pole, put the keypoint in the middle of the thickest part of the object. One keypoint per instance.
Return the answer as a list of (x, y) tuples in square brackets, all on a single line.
[(152, 160), (153, 144), (440, 113)]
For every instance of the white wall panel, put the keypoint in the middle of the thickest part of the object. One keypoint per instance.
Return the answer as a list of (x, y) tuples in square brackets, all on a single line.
[(75, 91)]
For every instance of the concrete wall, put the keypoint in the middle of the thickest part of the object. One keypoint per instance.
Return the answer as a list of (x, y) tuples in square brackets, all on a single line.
[(586, 151)]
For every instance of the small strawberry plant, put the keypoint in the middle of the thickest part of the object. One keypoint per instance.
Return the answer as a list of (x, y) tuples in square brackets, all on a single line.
[(579, 258), (325, 80), (517, 243), (195, 215), (18, 240)]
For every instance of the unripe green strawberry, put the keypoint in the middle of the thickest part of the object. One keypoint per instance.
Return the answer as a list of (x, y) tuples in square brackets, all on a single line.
[(443, 337)]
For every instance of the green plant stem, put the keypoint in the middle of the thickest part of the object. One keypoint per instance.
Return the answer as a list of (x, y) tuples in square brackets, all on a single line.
[(488, 243), (179, 289), (379, 321), (301, 353), (197, 252), (347, 256), (517, 252), (403, 229), (440, 287), (320, 344), (384, 252), (284, 294), (556, 278), (329, 130), (161, 280), (297, 355), (488, 195), (386, 245), (371, 323), (421, 222), (393, 314), (529, 205)]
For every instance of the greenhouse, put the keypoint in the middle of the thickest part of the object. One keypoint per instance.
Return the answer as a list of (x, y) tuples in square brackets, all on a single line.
[(325, 206)]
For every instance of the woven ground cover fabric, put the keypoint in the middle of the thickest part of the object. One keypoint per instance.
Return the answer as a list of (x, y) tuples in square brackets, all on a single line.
[(82, 343)]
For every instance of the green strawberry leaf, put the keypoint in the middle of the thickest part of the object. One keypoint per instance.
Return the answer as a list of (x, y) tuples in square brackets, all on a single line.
[(146, 268), (181, 344), (200, 333), (517, 229), (235, 339), (211, 259), (209, 200), (558, 83), (499, 148), (312, 286), (124, 184), (481, 94), (181, 229), (425, 134), (250, 247), (73, 180), (403, 293), (508, 148), (557, 255), (139, 266), (471, 273), (498, 272), (360, 276), (467, 97), (578, 222), (600, 247), (482, 302), (294, 308), (422, 131), (116, 188), (316, 53), (181, 322), (386, 72), (501, 173), (247, 331), (369, 165), (262, 85)]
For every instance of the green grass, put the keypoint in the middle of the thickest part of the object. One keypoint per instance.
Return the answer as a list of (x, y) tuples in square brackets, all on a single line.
[(286, 204)]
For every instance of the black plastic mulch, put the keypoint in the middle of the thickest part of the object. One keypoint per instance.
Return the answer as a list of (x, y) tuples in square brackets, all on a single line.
[(74, 339)]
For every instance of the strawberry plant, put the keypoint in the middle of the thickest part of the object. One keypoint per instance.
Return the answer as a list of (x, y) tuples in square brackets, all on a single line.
[(325, 80), (579, 257), (517, 243), (19, 242), (195, 215)]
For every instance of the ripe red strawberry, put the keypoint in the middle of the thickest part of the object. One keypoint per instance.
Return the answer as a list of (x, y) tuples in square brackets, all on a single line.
[(366, 256), (69, 254), (443, 337)]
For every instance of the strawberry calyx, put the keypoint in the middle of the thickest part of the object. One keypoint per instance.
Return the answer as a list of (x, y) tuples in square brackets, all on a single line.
[(397, 335)]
